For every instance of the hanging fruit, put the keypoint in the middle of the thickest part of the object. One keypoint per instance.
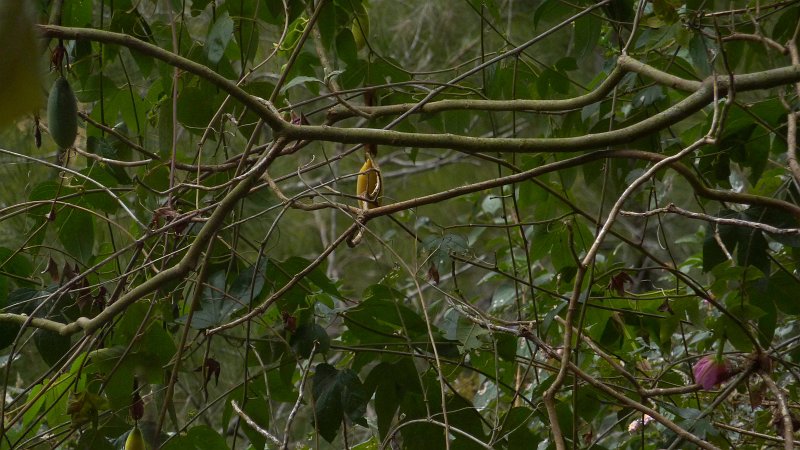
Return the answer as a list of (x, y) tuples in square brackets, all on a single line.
[(62, 114)]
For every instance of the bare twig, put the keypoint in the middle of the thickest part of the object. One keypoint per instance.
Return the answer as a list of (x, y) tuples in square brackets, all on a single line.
[(296, 407), (671, 208), (249, 421)]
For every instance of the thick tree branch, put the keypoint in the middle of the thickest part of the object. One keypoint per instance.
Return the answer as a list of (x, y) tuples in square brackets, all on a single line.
[(702, 96)]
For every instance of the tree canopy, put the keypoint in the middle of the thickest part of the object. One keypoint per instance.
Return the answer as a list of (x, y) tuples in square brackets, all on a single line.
[(464, 224)]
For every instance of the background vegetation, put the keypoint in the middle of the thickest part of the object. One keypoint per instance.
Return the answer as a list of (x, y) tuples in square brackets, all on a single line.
[(587, 235)]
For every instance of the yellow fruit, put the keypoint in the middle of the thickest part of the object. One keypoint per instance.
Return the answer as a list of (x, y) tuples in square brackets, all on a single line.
[(135, 440), (62, 114), (360, 27), (369, 185), (20, 77)]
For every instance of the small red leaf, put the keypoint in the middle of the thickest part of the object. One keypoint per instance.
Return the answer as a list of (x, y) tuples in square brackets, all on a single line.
[(433, 274), (617, 283)]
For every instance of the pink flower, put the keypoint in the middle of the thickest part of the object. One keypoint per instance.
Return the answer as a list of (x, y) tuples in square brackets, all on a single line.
[(710, 371)]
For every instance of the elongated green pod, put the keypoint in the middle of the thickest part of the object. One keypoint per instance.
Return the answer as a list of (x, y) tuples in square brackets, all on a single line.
[(62, 114)]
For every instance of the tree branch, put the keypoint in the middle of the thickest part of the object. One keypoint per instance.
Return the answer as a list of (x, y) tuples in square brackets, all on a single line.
[(258, 106)]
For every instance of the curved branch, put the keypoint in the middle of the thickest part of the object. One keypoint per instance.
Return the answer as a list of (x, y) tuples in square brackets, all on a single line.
[(467, 144), (756, 38), (659, 76), (339, 113), (702, 97), (176, 272), (263, 110)]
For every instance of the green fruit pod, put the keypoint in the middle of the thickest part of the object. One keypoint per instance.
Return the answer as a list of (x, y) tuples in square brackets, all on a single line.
[(62, 114)]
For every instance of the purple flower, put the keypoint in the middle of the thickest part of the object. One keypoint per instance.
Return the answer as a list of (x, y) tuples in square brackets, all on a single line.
[(710, 371)]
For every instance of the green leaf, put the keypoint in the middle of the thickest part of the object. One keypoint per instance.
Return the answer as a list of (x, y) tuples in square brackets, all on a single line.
[(458, 328), (750, 245), (370, 444), (246, 27), (249, 283), (216, 307), (463, 415), (103, 148), (155, 350), (346, 47), (257, 410), (77, 13), (782, 289), (515, 431), (51, 345), (388, 392), (699, 52), (14, 263), (648, 96), (197, 104), (198, 438), (499, 81), (253, 405), (219, 36), (298, 81), (441, 247), (338, 394), (382, 312), (22, 300), (307, 337), (76, 233), (547, 11), (587, 34), (8, 332), (503, 296)]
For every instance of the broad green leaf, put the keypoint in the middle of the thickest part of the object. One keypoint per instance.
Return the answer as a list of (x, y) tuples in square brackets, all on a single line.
[(76, 232), (441, 247), (216, 305), (200, 437), (298, 81), (338, 394), (249, 283), (310, 337), (15, 264), (587, 34), (515, 432), (219, 36), (51, 346)]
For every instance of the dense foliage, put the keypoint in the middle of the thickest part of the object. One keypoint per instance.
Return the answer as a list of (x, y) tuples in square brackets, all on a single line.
[(422, 225)]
